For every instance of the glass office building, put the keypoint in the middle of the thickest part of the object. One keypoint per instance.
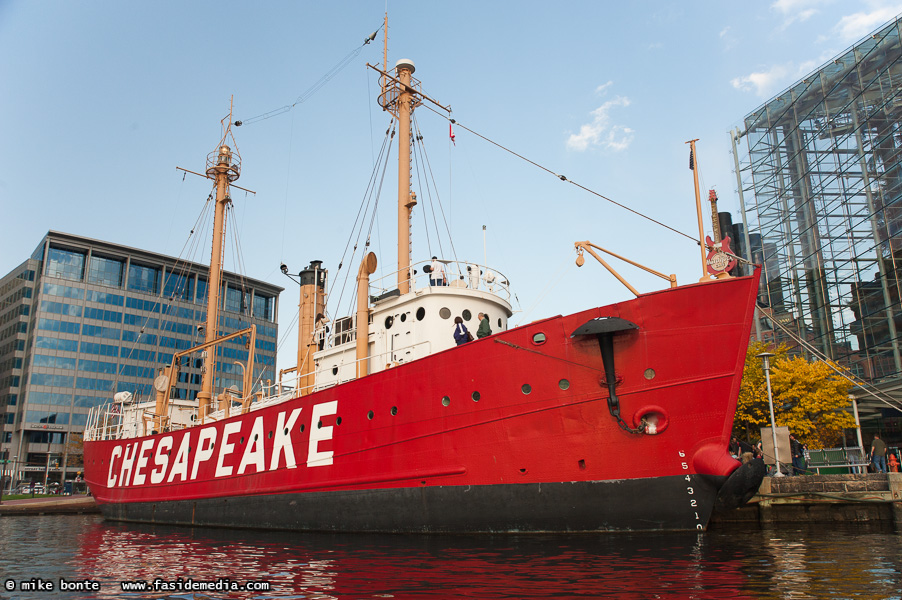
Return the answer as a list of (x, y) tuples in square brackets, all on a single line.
[(83, 319), (821, 179)]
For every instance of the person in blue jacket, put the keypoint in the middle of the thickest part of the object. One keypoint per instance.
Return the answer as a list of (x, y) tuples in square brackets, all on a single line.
[(461, 335)]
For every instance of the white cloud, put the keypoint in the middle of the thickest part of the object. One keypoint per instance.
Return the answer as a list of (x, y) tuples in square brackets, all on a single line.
[(727, 38), (797, 10), (763, 83), (600, 132), (767, 82), (603, 87), (852, 28)]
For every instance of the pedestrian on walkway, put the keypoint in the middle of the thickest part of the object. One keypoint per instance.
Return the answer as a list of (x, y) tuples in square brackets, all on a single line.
[(797, 449), (878, 454)]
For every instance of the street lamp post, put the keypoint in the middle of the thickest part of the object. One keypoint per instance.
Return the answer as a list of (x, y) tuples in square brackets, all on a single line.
[(12, 476), (766, 356)]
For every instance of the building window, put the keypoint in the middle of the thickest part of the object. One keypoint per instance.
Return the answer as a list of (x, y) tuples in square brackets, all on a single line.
[(143, 279), (179, 286), (106, 271), (235, 301), (67, 264), (201, 291), (63, 381), (263, 307)]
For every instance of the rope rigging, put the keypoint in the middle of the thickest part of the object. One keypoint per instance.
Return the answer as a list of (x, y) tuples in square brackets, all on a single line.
[(371, 196), (559, 176), (428, 166), (331, 73)]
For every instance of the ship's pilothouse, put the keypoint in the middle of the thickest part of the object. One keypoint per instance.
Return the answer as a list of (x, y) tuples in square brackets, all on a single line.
[(405, 327)]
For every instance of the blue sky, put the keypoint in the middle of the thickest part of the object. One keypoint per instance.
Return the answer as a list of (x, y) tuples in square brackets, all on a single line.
[(101, 101)]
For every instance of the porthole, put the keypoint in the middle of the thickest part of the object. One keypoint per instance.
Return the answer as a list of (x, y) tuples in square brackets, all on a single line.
[(526, 388), (369, 415), (499, 323), (302, 428), (335, 370), (319, 424), (403, 317), (475, 396), (256, 437), (446, 401), (563, 384), (445, 313), (394, 410), (338, 420), (421, 313), (270, 435), (241, 441), (389, 321), (539, 339), (649, 374), (466, 314), (286, 431)]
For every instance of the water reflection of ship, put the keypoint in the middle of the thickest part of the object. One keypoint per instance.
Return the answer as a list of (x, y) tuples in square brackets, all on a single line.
[(326, 566)]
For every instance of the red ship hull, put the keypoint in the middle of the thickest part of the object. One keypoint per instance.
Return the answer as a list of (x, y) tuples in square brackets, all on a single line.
[(509, 433)]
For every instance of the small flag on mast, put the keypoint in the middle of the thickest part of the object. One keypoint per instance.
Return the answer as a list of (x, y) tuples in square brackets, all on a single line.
[(451, 133), (691, 161)]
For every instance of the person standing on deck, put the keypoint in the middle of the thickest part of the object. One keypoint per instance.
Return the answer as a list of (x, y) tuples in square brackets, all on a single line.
[(437, 273), (485, 329)]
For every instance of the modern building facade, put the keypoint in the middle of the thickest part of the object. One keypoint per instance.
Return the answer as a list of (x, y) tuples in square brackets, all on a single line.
[(82, 319), (821, 178)]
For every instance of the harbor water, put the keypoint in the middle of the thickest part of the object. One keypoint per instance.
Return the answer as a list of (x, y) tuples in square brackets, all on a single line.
[(97, 559)]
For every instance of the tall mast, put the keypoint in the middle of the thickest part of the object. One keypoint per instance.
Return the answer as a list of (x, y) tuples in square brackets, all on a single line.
[(698, 208), (406, 199), (223, 168)]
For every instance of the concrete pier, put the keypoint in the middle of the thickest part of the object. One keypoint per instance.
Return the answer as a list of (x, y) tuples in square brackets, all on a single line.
[(50, 505), (853, 497)]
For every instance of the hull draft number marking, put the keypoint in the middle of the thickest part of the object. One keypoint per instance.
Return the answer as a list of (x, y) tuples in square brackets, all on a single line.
[(690, 491)]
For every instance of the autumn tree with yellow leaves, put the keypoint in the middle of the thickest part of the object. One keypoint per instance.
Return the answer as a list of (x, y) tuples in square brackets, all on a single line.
[(809, 397)]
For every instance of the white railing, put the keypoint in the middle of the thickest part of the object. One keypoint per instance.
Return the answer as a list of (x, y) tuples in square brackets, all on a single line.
[(468, 275)]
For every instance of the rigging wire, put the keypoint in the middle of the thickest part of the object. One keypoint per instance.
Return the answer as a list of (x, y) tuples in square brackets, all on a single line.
[(181, 268), (335, 70), (559, 176), (372, 195), (435, 186), (842, 371), (418, 149)]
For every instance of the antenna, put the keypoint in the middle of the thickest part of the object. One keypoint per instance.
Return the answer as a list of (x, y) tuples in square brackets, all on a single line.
[(484, 252), (382, 80)]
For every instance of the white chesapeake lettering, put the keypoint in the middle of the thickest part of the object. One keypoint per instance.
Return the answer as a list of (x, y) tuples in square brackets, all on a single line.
[(315, 458), (253, 453), (225, 448), (110, 478), (282, 444), (180, 466), (128, 462), (162, 459), (142, 461), (204, 450)]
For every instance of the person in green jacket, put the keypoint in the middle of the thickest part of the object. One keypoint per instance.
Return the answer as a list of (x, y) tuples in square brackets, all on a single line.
[(485, 329)]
